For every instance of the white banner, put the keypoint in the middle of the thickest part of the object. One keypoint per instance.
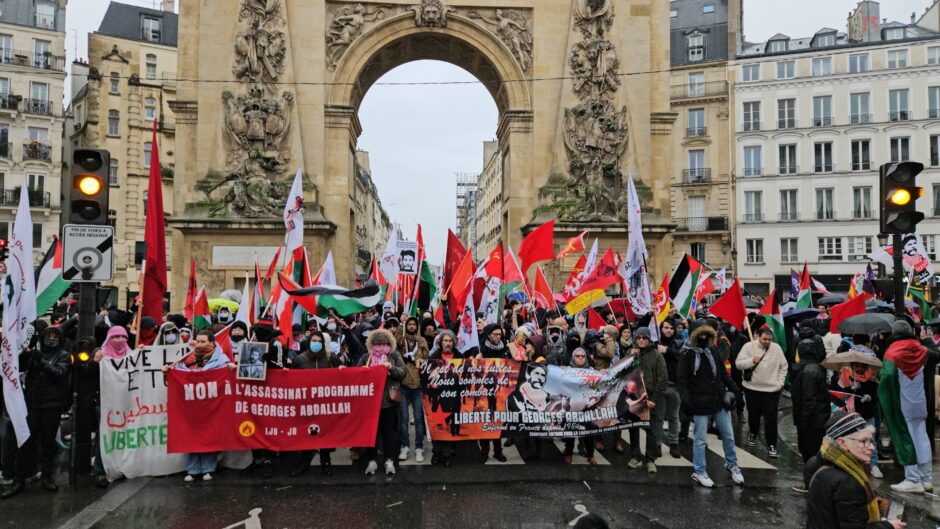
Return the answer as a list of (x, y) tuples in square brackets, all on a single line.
[(134, 414)]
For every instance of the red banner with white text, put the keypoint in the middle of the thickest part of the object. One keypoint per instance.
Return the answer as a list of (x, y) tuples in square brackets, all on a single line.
[(211, 411)]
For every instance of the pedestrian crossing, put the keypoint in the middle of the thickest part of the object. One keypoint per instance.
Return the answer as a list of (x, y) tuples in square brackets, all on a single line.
[(664, 460)]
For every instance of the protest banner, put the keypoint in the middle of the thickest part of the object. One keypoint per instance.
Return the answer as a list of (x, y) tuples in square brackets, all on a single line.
[(211, 411), (487, 399), (133, 426)]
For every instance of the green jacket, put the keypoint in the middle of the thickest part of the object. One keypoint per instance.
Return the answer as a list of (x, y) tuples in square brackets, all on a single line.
[(655, 374)]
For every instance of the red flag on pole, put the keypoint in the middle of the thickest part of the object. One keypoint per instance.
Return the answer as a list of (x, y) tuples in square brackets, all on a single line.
[(452, 260), (460, 286), (190, 310), (542, 291), (539, 245), (730, 306), (594, 320), (154, 286), (574, 245), (853, 307), (273, 266)]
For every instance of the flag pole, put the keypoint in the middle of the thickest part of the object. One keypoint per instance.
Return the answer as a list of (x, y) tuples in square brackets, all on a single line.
[(140, 299)]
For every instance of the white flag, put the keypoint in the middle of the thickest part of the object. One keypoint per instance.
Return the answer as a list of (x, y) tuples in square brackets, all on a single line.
[(389, 262), (294, 215), (634, 272), (467, 332), (19, 310), (327, 274), (489, 302), (244, 314), (914, 257), (722, 280)]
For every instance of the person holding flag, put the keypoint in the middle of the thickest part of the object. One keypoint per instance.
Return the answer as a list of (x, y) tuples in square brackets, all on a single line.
[(764, 369)]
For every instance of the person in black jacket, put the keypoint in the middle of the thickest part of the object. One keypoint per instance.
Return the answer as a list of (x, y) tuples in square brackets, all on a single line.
[(840, 491), (46, 390), (492, 346), (810, 395), (671, 349)]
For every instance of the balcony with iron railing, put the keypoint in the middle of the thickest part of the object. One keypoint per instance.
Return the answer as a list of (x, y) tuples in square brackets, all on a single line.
[(701, 224), (37, 150), (41, 107), (168, 79), (862, 214), (860, 119), (700, 175), (753, 217), (900, 115), (31, 59), (753, 171), (786, 123), (44, 20), (695, 132), (751, 126), (934, 113), (789, 169), (824, 167), (789, 216), (37, 198), (825, 121), (9, 101), (695, 90), (861, 166)]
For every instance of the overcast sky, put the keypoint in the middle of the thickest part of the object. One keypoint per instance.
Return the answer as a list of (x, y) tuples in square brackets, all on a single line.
[(418, 137)]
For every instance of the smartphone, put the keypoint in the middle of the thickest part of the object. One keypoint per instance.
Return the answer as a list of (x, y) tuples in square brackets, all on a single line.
[(896, 512)]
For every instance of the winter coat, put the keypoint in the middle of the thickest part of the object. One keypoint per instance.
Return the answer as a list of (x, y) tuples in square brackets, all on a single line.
[(47, 380), (414, 351), (864, 407), (702, 390), (672, 355), (554, 352), (809, 388), (654, 373), (216, 360), (310, 360), (770, 373), (836, 500), (395, 374), (602, 352)]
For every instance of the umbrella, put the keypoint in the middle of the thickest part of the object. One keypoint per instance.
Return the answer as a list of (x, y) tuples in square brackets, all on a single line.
[(867, 324), (832, 299), (215, 303), (518, 296), (788, 306), (751, 304), (876, 305), (797, 315), (840, 360)]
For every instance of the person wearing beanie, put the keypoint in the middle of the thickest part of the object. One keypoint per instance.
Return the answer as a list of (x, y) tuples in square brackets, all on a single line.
[(382, 352), (809, 390), (671, 349), (904, 407), (492, 346), (444, 350), (655, 377), (414, 350), (763, 370), (840, 491)]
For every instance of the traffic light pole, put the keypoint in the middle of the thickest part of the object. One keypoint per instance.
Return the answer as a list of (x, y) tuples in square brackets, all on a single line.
[(80, 445), (897, 250)]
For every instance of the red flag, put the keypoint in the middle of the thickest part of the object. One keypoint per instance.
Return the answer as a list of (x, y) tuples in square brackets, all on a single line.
[(594, 320), (604, 274), (539, 245), (571, 286), (730, 306), (377, 275), (257, 297), (189, 310), (574, 245), (542, 291), (154, 287), (273, 266), (452, 260), (224, 341), (460, 286), (853, 307), (494, 265)]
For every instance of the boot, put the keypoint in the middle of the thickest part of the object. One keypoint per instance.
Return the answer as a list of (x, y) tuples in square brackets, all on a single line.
[(48, 484), (18, 487)]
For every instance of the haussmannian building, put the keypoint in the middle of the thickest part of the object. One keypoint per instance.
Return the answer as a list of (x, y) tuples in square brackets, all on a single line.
[(489, 200)]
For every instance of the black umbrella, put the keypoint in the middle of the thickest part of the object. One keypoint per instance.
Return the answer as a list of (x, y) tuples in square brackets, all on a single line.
[(798, 315), (832, 299), (867, 324), (876, 305)]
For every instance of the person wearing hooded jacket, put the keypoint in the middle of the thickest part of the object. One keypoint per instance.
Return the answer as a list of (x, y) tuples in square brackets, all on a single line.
[(442, 353), (655, 377), (602, 349), (554, 343), (671, 349), (809, 392), (414, 351), (580, 360), (168, 334), (382, 352), (492, 346), (314, 356), (46, 390)]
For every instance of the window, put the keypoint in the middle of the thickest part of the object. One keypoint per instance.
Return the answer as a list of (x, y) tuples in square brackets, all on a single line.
[(753, 206), (822, 66), (786, 113), (750, 72), (37, 236), (830, 248), (42, 54), (934, 150), (899, 101), (6, 49), (755, 251), (708, 8), (936, 200), (36, 182), (788, 206), (673, 13), (148, 147), (113, 173), (788, 159), (933, 98), (900, 149), (151, 66), (6, 149), (698, 251), (752, 161), (150, 109), (39, 92), (115, 83), (858, 63), (822, 111), (861, 203), (777, 46), (825, 40), (146, 194), (696, 44), (37, 134), (752, 115), (933, 55), (698, 221), (696, 122), (697, 171), (930, 244), (822, 154), (140, 251), (861, 155), (45, 15), (897, 59), (114, 123), (150, 29), (788, 250), (696, 84), (860, 110), (5, 230), (859, 248), (824, 204), (894, 34), (786, 69)]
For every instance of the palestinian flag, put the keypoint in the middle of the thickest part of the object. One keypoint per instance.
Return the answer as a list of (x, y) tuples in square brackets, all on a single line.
[(901, 375), (916, 294), (683, 283), (804, 300), (427, 289), (841, 400), (771, 312), (202, 317), (512, 273), (343, 301), (49, 283)]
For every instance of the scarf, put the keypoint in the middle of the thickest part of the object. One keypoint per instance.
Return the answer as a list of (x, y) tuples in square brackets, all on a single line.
[(699, 353), (847, 375), (908, 355), (112, 349), (853, 467)]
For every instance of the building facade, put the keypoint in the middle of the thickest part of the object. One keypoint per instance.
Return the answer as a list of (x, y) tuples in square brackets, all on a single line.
[(32, 80), (373, 225), (703, 36), (815, 117), (117, 95), (489, 199)]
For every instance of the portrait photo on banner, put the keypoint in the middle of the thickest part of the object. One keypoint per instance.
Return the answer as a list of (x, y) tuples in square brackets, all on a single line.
[(251, 364), (407, 257)]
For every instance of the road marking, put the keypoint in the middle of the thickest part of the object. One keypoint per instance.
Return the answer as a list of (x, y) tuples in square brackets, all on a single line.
[(578, 459), (745, 458), (252, 522), (119, 493), (512, 456), (664, 460), (583, 512)]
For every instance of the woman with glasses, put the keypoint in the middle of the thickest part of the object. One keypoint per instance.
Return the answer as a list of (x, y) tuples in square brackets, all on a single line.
[(840, 490), (580, 360)]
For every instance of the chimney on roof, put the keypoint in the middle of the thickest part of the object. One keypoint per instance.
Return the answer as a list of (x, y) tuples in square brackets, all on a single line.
[(913, 17), (168, 6)]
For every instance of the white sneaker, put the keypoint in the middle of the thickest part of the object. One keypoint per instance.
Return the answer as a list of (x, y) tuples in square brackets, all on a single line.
[(403, 455), (908, 486), (189, 478), (703, 480), (419, 455), (207, 477), (876, 472), (371, 468), (736, 474), (389, 467), (928, 487)]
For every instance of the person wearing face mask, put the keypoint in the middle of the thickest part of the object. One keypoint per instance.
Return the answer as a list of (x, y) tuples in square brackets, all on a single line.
[(655, 377), (315, 356), (383, 353), (580, 360), (46, 391), (167, 335), (224, 315), (115, 347), (414, 350), (492, 346), (554, 342), (238, 333), (671, 350), (186, 334), (516, 348)]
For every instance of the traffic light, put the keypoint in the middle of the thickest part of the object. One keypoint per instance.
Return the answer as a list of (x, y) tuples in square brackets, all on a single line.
[(4, 250), (89, 187), (898, 197)]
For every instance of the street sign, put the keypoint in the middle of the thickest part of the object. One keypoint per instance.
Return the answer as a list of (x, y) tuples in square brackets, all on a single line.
[(87, 253)]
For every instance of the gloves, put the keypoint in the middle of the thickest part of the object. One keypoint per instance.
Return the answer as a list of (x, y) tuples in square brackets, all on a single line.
[(856, 385), (866, 398)]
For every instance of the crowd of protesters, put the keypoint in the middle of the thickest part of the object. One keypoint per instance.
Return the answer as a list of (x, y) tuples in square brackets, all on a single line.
[(699, 372)]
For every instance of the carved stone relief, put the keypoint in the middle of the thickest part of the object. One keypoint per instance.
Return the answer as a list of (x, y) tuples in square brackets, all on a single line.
[(257, 133), (260, 46), (347, 23), (512, 27), (431, 13)]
